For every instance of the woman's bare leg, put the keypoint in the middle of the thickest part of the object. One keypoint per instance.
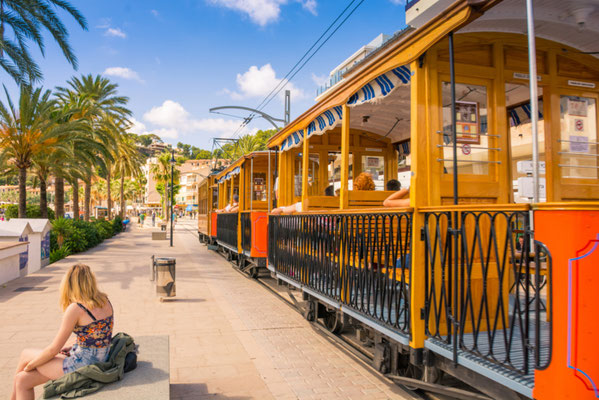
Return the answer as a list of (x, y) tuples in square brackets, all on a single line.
[(26, 356), (26, 381)]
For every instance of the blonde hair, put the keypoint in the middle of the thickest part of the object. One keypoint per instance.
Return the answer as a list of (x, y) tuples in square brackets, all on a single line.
[(364, 182), (79, 286)]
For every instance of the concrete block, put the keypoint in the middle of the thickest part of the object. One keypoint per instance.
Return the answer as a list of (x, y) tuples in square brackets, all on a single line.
[(161, 235)]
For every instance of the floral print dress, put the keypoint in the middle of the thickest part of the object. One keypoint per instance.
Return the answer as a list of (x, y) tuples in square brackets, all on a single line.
[(93, 342)]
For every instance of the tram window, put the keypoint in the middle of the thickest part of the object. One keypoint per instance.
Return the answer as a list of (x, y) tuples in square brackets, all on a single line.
[(578, 127), (259, 190), (313, 181), (517, 100), (334, 170), (375, 166), (297, 178), (471, 124)]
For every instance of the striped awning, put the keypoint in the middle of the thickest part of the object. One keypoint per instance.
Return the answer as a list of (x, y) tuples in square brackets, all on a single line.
[(229, 175), (375, 90), (325, 121), (294, 139), (381, 86), (522, 114)]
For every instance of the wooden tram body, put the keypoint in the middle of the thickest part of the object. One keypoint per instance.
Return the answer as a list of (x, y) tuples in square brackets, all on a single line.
[(242, 235), (437, 286), (207, 203)]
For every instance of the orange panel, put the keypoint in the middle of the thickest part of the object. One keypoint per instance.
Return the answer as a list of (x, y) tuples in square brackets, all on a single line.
[(259, 234), (572, 238), (213, 224)]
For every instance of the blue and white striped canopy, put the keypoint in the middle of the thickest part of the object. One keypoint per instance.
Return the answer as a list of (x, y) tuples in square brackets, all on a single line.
[(294, 139), (375, 90), (381, 86), (325, 121), (229, 175)]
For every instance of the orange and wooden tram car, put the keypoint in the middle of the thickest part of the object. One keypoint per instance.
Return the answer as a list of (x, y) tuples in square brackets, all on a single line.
[(474, 280)]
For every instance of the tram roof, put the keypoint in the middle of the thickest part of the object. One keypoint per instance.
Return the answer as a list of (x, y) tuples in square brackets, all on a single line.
[(240, 161), (556, 20)]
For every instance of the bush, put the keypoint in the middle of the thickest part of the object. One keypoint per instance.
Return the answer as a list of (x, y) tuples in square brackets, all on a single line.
[(105, 229), (90, 232), (32, 211), (117, 225), (59, 254)]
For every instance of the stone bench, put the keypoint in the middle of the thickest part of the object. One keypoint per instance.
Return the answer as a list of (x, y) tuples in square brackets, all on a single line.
[(149, 381), (159, 235)]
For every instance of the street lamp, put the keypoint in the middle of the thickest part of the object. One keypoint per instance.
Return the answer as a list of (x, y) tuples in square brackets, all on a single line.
[(173, 162)]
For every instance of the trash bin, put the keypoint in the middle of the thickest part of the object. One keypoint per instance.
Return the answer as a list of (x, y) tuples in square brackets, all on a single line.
[(164, 270)]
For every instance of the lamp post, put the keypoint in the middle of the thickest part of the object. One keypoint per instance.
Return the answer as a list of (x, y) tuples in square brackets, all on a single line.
[(172, 191)]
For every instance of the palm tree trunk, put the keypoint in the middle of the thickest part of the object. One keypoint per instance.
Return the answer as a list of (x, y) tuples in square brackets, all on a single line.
[(22, 192), (87, 199), (122, 207), (75, 186), (108, 196), (59, 196), (43, 197)]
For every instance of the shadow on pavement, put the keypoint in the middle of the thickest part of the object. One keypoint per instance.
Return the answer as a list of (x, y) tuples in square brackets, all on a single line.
[(188, 391)]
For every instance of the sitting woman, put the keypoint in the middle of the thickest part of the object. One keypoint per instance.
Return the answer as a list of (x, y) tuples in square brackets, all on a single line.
[(87, 313), (232, 207), (364, 182)]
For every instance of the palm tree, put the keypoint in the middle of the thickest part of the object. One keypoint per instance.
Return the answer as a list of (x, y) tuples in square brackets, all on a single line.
[(26, 21), (27, 130), (97, 102), (128, 163)]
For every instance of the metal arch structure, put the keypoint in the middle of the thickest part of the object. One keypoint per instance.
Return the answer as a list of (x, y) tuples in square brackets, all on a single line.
[(253, 110)]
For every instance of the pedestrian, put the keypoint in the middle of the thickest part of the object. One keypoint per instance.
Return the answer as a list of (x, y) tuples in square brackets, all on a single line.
[(89, 314), (153, 218), (142, 217)]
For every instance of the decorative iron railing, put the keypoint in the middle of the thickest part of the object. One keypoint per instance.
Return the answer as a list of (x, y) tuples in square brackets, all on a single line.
[(246, 231), (486, 291), (226, 229), (359, 260)]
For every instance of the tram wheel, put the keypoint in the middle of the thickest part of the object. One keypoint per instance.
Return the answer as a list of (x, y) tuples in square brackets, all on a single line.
[(411, 371), (333, 321), (253, 272), (310, 311)]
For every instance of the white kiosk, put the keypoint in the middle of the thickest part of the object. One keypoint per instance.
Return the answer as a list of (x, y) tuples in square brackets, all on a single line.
[(39, 242), (17, 230)]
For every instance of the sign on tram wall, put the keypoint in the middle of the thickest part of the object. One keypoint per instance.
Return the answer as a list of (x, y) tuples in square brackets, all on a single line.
[(589, 85)]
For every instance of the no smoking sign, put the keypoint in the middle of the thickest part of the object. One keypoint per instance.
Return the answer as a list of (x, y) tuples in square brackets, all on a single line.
[(466, 149), (579, 125)]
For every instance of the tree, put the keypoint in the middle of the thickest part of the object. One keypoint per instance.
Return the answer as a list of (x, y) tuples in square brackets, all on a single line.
[(203, 155), (26, 20), (27, 130)]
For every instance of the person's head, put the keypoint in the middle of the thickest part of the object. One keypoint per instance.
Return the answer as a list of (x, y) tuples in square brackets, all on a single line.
[(521, 239), (235, 198), (329, 191), (364, 182), (79, 286), (393, 185)]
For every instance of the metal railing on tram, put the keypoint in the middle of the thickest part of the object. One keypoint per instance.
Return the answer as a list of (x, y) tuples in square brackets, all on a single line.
[(226, 229), (359, 260), (491, 299)]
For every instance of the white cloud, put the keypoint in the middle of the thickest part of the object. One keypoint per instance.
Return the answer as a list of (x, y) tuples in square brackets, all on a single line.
[(115, 32), (398, 2), (123, 72), (262, 12), (155, 13), (172, 120), (319, 80), (137, 127), (259, 82)]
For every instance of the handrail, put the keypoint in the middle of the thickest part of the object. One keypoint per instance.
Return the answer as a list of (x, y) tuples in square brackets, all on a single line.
[(476, 207), (363, 210), (567, 206)]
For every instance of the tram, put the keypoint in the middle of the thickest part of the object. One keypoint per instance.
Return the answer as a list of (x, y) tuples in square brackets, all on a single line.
[(207, 202), (481, 276), (241, 235)]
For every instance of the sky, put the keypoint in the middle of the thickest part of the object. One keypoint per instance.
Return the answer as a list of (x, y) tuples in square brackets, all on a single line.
[(177, 59)]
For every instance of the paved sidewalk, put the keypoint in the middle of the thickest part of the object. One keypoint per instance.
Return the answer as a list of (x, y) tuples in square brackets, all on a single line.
[(229, 337)]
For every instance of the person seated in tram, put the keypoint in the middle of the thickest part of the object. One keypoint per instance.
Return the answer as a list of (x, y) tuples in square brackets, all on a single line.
[(330, 191), (393, 185), (286, 210), (231, 207), (364, 182), (401, 198)]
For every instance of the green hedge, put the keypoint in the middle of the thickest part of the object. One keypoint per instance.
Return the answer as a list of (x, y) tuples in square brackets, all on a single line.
[(33, 211), (79, 235)]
